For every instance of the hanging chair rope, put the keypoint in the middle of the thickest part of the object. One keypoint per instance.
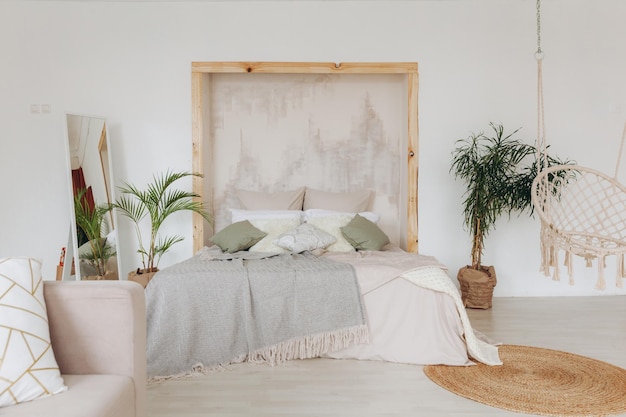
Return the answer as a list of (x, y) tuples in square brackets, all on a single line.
[(619, 155), (541, 128), (582, 211)]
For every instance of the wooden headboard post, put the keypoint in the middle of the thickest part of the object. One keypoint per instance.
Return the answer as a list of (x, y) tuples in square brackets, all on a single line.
[(201, 138)]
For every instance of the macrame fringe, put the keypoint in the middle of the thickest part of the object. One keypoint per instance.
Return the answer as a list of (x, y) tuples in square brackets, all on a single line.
[(545, 253), (568, 264), (550, 244), (555, 262), (550, 263), (620, 272), (601, 283)]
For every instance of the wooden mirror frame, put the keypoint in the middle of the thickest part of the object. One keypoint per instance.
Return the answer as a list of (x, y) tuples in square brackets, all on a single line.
[(200, 96)]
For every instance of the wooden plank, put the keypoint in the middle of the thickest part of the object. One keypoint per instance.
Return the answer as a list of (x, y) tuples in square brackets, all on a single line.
[(207, 156), (413, 163), (197, 162), (305, 67)]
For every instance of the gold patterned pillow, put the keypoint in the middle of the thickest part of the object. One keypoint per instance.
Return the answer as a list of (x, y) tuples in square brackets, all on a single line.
[(28, 369)]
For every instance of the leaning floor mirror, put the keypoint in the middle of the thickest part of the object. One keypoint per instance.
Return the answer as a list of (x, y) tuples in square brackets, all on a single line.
[(92, 249)]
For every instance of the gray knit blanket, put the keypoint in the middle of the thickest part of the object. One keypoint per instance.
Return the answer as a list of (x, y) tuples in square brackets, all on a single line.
[(216, 309)]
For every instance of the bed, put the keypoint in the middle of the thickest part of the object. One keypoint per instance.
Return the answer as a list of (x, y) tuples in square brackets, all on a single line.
[(294, 150), (278, 285)]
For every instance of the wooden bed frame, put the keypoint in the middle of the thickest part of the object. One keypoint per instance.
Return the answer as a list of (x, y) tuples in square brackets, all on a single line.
[(201, 73)]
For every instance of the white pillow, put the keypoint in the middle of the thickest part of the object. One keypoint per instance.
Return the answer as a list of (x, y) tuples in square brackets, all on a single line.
[(305, 237), (280, 200), (354, 201), (312, 213), (332, 224), (28, 369), (273, 228), (237, 215)]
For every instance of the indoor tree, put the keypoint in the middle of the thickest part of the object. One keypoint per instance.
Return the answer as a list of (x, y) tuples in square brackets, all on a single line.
[(154, 205), (498, 171)]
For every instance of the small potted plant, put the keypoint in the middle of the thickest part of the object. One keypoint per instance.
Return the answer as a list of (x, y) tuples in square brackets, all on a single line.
[(92, 225), (498, 172), (153, 205)]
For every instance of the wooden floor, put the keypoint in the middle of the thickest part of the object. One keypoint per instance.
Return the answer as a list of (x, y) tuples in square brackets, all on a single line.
[(590, 326)]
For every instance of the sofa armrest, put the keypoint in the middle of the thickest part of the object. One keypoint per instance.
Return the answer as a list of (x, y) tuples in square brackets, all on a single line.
[(99, 328)]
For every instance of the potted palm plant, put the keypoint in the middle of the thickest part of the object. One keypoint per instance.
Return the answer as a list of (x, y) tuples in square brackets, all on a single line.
[(153, 205), (498, 171), (92, 225)]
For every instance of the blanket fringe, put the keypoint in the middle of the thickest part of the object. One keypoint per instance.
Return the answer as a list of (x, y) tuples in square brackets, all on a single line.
[(310, 346), (306, 347), (197, 370)]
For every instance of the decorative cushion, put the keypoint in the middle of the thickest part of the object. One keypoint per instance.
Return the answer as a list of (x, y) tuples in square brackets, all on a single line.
[(28, 369), (332, 224), (273, 228), (305, 237), (281, 200), (237, 236), (364, 234), (354, 202)]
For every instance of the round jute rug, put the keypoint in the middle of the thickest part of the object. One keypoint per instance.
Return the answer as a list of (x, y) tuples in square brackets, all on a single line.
[(539, 381)]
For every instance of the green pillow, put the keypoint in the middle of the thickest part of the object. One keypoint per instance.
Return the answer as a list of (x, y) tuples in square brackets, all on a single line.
[(238, 236), (364, 234)]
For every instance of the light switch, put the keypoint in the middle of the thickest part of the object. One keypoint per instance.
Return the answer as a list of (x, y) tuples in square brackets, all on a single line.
[(34, 108), (46, 108)]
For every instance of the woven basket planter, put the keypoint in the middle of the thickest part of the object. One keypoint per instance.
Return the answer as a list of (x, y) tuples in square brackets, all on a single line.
[(477, 286), (141, 276)]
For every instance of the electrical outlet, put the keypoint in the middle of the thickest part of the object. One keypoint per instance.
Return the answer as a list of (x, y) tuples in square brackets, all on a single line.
[(46, 108), (34, 108)]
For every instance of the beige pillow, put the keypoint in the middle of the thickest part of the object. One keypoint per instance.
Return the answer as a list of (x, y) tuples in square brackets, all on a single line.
[(280, 200), (353, 202)]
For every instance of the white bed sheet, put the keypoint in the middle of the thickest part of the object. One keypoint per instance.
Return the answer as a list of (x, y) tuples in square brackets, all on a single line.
[(410, 324), (407, 322)]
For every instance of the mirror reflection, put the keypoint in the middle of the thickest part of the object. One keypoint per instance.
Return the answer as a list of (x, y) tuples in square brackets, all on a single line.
[(93, 254)]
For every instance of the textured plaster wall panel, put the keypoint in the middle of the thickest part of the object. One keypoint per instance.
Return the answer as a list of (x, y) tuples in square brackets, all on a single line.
[(276, 132)]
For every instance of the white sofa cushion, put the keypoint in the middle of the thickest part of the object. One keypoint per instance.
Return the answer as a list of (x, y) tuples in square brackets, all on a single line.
[(28, 369), (88, 396)]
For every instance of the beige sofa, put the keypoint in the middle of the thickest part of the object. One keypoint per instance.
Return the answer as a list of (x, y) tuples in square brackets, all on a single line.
[(98, 333)]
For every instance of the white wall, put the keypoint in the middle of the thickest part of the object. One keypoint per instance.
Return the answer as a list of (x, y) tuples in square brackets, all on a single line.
[(130, 62)]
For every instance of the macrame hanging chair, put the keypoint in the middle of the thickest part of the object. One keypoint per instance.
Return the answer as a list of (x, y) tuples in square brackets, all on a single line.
[(582, 210)]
